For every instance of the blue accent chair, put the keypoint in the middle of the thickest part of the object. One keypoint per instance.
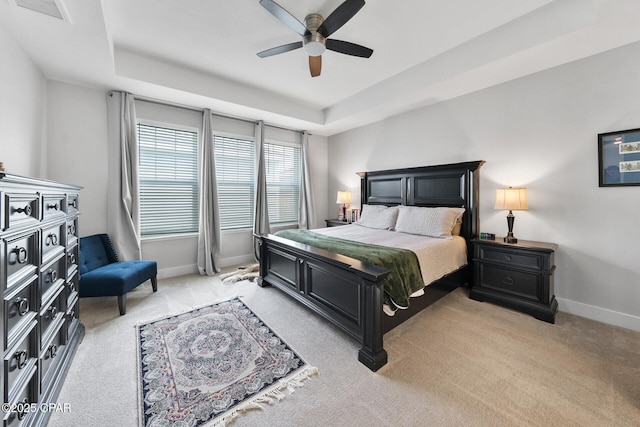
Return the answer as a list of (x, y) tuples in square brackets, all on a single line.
[(102, 274)]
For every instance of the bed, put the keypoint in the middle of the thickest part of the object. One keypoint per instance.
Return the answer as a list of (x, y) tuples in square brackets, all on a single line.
[(348, 292)]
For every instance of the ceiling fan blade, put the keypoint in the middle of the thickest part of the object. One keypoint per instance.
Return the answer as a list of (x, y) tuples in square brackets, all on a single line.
[(280, 49), (315, 65), (340, 16), (285, 17), (348, 48)]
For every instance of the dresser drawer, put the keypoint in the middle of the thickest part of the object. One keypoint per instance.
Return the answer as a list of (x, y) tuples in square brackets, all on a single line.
[(50, 353), (52, 276), (19, 360), (53, 205), (509, 257), (19, 307), (72, 203), (53, 241), (72, 231), (22, 257), (72, 260), (73, 316), (22, 404), (51, 313), (21, 209), (73, 286), (519, 283)]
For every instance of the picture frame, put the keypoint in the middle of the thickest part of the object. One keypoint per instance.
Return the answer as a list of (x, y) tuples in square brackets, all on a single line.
[(619, 158)]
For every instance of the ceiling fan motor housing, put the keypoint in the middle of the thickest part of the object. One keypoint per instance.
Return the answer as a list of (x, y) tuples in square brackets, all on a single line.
[(314, 42)]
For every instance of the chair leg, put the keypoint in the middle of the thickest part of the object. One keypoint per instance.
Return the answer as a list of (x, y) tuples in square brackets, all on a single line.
[(154, 283), (122, 304)]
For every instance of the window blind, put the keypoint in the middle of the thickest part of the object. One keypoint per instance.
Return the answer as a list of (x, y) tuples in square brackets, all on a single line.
[(168, 174), (235, 164), (235, 171), (283, 182)]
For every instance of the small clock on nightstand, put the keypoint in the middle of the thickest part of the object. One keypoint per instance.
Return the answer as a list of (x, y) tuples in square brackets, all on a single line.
[(518, 275), (335, 222)]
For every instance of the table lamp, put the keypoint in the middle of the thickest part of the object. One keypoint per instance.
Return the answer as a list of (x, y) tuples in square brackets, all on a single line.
[(511, 199), (344, 199)]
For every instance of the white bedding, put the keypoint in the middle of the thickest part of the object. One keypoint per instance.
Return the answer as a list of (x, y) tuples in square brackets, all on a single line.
[(437, 257)]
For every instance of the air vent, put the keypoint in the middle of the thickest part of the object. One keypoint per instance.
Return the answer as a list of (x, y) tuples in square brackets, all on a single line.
[(53, 8)]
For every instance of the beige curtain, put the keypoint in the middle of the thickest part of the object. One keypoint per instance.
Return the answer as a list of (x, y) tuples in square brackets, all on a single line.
[(123, 196), (261, 213), (307, 217), (209, 214)]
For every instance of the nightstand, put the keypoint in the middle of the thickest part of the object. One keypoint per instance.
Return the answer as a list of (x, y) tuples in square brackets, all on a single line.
[(335, 222), (516, 275)]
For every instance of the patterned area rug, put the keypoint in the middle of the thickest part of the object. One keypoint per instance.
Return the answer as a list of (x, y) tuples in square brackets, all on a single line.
[(205, 366)]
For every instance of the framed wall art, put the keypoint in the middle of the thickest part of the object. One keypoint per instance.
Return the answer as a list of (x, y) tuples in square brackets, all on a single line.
[(619, 158)]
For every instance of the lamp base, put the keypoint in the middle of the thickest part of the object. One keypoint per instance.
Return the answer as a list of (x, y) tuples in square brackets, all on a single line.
[(510, 221), (510, 239)]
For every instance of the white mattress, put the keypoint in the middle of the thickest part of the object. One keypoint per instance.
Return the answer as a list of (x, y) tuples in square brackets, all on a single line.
[(437, 257)]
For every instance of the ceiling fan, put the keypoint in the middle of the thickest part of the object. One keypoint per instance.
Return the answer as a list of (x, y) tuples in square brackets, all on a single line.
[(315, 32)]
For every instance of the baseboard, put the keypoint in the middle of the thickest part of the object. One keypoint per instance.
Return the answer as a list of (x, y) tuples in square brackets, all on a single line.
[(238, 260), (600, 314), (183, 270)]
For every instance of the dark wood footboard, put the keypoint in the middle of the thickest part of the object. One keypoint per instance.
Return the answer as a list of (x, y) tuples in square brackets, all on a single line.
[(343, 290)]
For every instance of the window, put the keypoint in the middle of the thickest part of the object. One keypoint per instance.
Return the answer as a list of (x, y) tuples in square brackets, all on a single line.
[(235, 164), (283, 182), (235, 171), (168, 176)]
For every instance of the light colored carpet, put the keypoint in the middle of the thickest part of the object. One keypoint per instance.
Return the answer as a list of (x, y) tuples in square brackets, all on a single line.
[(460, 362)]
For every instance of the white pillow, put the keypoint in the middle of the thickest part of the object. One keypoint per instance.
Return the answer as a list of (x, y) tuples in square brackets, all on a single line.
[(433, 222), (378, 216)]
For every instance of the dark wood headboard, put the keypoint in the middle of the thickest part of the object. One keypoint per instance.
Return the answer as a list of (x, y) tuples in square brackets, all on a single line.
[(450, 185)]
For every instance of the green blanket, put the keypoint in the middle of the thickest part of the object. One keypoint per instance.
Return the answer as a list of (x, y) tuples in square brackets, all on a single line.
[(405, 277)]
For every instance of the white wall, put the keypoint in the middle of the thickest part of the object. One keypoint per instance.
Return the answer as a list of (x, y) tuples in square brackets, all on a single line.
[(539, 132), (77, 135), (77, 145), (22, 111)]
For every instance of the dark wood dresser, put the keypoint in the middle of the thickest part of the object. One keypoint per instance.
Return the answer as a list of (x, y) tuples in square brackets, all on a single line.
[(41, 326), (517, 275)]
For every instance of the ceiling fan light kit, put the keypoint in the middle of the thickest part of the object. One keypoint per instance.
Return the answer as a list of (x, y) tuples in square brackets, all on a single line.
[(314, 43), (315, 33)]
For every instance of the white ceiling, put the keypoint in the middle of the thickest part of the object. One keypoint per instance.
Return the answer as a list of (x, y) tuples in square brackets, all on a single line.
[(203, 52)]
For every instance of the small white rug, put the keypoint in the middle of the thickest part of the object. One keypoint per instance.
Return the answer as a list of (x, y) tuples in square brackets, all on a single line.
[(249, 272)]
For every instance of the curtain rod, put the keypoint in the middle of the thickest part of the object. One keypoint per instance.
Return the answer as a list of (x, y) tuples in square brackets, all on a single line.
[(188, 107)]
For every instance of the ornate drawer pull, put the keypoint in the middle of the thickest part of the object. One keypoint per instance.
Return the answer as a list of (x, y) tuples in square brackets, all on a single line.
[(54, 206), (507, 280), (22, 255), (20, 357), (23, 305), (26, 210), (51, 240), (74, 203), (51, 276), (507, 257), (51, 351), (24, 411), (72, 314), (71, 230), (51, 312), (72, 257)]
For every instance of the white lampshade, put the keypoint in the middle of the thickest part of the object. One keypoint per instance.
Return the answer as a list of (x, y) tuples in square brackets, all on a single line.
[(511, 199), (344, 197)]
